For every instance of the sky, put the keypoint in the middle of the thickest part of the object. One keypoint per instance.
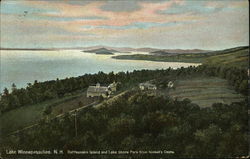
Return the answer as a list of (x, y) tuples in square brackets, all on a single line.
[(169, 24)]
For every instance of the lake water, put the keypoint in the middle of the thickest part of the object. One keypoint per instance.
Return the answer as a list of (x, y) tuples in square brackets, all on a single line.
[(22, 67)]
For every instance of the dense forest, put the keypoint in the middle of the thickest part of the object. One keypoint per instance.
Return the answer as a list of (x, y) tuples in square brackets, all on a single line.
[(140, 122), (43, 91)]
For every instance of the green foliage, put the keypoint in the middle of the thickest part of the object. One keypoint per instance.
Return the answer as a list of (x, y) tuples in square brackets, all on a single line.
[(140, 122), (44, 91), (80, 104), (173, 58), (231, 58), (237, 77), (47, 110)]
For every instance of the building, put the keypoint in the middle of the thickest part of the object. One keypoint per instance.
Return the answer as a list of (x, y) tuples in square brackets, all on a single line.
[(98, 90), (147, 86), (113, 87), (170, 84)]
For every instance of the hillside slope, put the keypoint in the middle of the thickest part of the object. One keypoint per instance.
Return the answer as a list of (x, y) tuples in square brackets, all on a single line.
[(230, 58), (237, 57), (205, 91)]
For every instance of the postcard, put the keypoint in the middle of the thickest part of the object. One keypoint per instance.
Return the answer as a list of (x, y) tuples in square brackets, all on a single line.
[(148, 79)]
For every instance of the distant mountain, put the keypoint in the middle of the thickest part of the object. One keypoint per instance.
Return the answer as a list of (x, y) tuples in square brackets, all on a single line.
[(121, 49), (187, 51), (177, 51), (102, 51), (148, 49), (118, 49)]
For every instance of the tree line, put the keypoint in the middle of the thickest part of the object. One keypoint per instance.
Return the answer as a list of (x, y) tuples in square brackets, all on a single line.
[(43, 91), (237, 77)]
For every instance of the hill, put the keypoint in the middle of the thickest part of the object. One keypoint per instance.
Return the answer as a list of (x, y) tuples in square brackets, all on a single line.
[(177, 51), (146, 49), (186, 51), (237, 57), (102, 51), (160, 53)]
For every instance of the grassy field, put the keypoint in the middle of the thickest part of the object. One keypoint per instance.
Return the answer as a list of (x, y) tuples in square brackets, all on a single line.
[(72, 104), (204, 91), (238, 58), (28, 115)]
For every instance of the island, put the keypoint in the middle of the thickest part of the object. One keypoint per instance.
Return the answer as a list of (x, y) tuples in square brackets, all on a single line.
[(101, 51)]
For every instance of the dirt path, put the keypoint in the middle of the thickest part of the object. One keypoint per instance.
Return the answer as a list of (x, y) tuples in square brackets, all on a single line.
[(110, 100)]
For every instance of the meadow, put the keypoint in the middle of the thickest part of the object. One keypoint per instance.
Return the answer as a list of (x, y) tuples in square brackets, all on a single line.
[(205, 91), (238, 58), (32, 114)]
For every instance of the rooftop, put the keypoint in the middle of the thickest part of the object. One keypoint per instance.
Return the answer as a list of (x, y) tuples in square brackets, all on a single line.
[(97, 89)]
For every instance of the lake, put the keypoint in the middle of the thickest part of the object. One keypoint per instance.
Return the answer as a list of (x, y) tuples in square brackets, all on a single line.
[(22, 67)]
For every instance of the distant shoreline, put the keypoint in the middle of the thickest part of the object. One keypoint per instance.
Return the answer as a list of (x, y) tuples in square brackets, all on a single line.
[(28, 49)]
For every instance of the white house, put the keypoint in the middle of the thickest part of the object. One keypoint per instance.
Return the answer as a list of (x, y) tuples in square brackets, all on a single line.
[(147, 86), (170, 84), (113, 87), (97, 91)]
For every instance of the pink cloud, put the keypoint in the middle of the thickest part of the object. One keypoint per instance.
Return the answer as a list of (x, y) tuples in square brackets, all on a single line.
[(147, 13)]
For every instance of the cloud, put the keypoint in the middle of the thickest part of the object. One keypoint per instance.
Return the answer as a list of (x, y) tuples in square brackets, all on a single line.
[(174, 22), (147, 11), (138, 25), (19, 7), (121, 6), (58, 18), (194, 7)]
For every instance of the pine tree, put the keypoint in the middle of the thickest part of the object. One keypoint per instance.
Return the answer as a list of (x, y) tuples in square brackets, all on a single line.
[(5, 92), (13, 87)]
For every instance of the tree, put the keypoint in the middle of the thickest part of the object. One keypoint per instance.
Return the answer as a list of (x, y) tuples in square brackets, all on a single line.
[(80, 104), (13, 102), (208, 140), (129, 143), (13, 87), (25, 98), (243, 86), (90, 141), (4, 104), (5, 92), (47, 111)]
